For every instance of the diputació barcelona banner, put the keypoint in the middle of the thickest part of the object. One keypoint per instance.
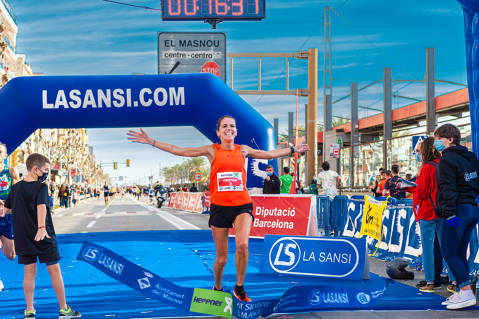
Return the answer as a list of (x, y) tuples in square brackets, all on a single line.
[(283, 215)]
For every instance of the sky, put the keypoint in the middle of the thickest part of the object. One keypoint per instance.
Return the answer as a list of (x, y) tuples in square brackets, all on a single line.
[(95, 37)]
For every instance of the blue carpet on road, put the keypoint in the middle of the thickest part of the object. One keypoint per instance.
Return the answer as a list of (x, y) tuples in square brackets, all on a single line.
[(183, 257)]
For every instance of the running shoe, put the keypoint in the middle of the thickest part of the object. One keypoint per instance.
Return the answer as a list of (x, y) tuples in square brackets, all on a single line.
[(451, 288), (240, 294), (69, 313), (450, 299), (1, 285), (464, 299), (427, 288), (29, 314), (214, 288), (423, 283)]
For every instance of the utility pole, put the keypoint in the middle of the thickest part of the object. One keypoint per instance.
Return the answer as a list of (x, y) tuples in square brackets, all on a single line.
[(327, 79), (312, 129)]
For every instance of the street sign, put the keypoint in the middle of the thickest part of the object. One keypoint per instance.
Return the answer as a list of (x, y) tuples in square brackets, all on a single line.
[(192, 52), (334, 151), (197, 177), (211, 67), (416, 140), (340, 141)]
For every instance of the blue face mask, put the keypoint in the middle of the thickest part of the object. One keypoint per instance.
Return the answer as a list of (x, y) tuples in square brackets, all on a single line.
[(418, 157), (438, 145), (269, 173)]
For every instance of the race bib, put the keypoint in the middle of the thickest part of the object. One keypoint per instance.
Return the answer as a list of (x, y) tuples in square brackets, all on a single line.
[(229, 181)]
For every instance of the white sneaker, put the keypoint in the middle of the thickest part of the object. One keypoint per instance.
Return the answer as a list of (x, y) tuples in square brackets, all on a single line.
[(450, 299), (464, 299), (1, 285)]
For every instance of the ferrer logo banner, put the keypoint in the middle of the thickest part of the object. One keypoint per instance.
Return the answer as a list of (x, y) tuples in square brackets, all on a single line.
[(315, 256), (216, 303)]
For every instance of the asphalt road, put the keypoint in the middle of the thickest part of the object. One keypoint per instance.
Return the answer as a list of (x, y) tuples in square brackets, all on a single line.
[(123, 214)]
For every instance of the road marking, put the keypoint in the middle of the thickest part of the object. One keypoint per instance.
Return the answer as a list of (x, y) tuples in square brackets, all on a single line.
[(90, 225), (78, 214), (101, 213), (172, 219)]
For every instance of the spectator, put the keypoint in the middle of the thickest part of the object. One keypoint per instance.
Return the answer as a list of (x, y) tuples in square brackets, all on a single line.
[(393, 185), (457, 194), (74, 197), (272, 183), (193, 189), (63, 196), (377, 179), (382, 184), (184, 189), (34, 233), (286, 181), (424, 204), (313, 188), (329, 181), (299, 187), (409, 176)]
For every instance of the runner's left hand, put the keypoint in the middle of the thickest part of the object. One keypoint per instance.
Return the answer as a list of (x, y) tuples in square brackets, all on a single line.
[(139, 137), (300, 148)]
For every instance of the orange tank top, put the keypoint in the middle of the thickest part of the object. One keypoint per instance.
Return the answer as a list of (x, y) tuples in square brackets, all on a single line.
[(228, 177)]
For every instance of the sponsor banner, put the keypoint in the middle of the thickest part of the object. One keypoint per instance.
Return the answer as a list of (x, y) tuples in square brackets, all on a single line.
[(283, 215), (342, 258), (372, 218), (401, 235), (212, 302), (172, 201), (186, 201), (296, 299), (135, 276)]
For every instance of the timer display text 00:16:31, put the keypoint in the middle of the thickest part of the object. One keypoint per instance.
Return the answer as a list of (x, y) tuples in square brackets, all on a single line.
[(210, 9)]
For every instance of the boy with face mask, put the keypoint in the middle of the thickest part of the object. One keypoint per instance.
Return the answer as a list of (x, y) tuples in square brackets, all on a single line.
[(34, 233), (457, 191)]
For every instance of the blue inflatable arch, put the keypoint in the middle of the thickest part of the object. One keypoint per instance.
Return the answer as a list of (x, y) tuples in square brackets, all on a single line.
[(471, 32), (29, 103)]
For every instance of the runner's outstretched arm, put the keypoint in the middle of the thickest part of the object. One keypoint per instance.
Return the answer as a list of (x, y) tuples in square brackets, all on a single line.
[(142, 137), (274, 153)]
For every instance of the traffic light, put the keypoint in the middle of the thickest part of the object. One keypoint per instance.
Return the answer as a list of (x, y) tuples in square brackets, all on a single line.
[(127, 163), (115, 165)]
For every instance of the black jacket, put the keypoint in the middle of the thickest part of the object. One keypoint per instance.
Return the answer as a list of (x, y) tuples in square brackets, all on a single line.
[(457, 179), (272, 186)]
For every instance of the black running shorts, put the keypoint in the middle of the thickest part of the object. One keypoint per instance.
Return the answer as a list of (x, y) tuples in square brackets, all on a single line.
[(49, 259), (224, 216)]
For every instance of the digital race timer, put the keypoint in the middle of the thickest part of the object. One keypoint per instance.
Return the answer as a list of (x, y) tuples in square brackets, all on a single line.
[(213, 9)]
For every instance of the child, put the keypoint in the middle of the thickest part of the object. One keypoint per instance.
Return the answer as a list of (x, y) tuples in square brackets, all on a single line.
[(457, 191), (34, 234)]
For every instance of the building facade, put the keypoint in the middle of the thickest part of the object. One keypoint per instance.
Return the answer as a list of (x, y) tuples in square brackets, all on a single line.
[(72, 160)]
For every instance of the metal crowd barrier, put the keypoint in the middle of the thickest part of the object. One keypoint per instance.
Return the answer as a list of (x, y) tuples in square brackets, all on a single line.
[(333, 214)]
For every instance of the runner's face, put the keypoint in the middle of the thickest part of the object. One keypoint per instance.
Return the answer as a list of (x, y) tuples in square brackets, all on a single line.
[(227, 131)]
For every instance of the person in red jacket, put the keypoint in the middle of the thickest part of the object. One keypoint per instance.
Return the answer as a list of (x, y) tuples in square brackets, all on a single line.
[(424, 204)]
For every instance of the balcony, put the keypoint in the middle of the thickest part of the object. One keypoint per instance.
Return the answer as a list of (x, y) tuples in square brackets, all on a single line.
[(9, 10)]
